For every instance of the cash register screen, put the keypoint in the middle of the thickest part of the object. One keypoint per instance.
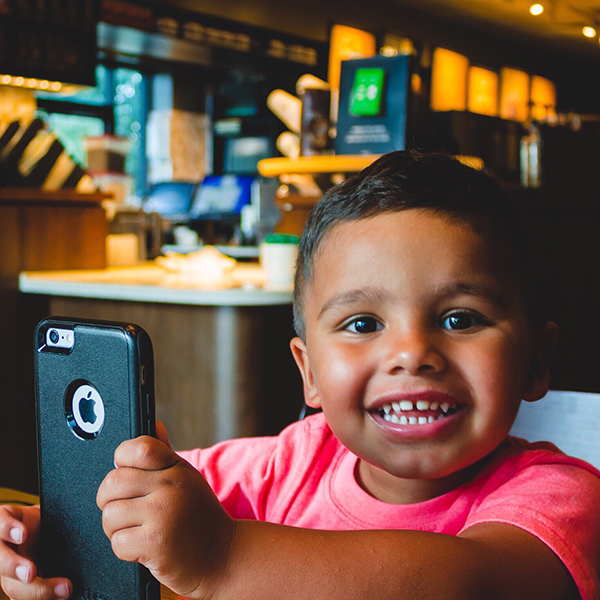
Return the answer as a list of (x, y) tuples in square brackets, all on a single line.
[(221, 196)]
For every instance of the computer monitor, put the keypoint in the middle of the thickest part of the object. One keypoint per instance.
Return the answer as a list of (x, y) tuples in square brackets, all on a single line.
[(172, 200), (241, 154), (221, 196)]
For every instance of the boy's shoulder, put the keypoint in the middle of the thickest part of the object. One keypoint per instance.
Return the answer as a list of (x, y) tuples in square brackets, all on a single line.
[(516, 455)]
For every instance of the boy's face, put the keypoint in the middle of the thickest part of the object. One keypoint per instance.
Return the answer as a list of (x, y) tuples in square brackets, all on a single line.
[(417, 349)]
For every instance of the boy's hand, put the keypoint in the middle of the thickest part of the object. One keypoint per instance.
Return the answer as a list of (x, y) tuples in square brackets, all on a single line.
[(19, 527), (159, 511)]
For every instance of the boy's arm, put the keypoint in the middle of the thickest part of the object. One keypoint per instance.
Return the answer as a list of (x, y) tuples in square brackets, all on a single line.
[(158, 510), (488, 561)]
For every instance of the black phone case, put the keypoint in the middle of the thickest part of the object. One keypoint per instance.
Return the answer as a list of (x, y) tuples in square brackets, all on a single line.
[(117, 360)]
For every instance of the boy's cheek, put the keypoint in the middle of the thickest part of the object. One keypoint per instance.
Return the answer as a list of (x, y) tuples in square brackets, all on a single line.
[(341, 370), (337, 369)]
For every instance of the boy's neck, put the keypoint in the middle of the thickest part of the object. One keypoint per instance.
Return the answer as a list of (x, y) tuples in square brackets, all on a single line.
[(395, 490)]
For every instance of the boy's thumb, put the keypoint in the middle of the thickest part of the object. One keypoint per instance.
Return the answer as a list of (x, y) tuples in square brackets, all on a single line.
[(161, 433)]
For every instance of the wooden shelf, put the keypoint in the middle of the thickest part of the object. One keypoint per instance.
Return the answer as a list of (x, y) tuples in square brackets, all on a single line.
[(21, 195), (341, 163)]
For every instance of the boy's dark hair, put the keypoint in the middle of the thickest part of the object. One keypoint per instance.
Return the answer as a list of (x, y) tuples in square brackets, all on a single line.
[(401, 180)]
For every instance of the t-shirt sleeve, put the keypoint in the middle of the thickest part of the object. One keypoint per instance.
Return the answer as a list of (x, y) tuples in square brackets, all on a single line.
[(559, 504), (250, 476), (240, 472)]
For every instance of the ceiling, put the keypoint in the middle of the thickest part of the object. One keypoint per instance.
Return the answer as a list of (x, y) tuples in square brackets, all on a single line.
[(560, 23)]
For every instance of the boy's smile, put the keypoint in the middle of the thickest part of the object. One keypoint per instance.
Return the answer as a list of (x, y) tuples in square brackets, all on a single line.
[(417, 349)]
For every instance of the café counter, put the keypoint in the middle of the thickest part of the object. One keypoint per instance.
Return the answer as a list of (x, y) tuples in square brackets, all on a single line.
[(223, 367)]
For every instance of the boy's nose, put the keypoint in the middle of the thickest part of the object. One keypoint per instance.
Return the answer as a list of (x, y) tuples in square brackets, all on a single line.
[(415, 353)]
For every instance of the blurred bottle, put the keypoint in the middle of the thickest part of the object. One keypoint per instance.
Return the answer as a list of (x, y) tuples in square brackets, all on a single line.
[(315, 122), (531, 151)]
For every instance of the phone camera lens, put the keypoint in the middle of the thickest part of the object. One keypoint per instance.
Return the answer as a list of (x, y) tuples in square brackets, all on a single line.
[(53, 336)]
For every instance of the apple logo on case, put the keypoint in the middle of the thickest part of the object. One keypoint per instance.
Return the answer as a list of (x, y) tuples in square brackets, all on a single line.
[(84, 409)]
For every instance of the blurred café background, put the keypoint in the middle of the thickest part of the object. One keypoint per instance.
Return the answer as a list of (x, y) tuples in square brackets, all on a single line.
[(158, 160)]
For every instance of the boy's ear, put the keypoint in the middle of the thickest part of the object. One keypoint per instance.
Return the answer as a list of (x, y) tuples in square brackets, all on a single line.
[(544, 346), (300, 354)]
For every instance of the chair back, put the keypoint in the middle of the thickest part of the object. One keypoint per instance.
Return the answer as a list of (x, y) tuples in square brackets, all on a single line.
[(570, 420)]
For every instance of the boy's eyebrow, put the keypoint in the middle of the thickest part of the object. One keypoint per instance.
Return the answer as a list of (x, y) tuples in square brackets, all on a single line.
[(370, 294), (474, 289), (365, 294)]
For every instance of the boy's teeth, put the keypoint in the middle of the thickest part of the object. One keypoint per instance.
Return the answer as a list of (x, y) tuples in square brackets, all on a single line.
[(406, 405), (389, 411)]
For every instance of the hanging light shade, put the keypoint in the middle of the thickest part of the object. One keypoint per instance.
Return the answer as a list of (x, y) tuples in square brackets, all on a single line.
[(543, 98), (514, 94), (483, 92), (449, 72)]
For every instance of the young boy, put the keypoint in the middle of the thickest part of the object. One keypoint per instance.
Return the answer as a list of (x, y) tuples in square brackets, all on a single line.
[(418, 336)]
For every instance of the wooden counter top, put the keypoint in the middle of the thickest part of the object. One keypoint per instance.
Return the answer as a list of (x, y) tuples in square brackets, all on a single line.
[(152, 283)]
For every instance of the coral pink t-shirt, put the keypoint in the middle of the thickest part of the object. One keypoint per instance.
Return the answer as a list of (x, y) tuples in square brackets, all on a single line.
[(305, 478)]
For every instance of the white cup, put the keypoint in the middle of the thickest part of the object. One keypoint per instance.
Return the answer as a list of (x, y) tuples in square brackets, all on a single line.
[(279, 263), (122, 249)]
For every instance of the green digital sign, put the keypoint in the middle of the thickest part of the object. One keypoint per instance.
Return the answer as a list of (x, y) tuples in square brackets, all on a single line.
[(367, 92)]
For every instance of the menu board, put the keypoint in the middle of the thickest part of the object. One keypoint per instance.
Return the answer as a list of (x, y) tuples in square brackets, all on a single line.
[(49, 39), (208, 32), (374, 95)]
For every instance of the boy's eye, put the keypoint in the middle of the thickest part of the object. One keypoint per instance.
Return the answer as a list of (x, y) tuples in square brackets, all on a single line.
[(364, 325), (460, 321)]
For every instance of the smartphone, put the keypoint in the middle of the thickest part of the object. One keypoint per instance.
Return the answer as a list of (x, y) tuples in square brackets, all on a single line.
[(94, 389)]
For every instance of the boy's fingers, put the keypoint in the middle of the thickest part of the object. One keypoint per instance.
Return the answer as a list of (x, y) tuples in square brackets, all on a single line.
[(121, 514), (146, 453), (39, 589), (124, 483), (128, 544), (12, 529), (161, 433), (14, 566)]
